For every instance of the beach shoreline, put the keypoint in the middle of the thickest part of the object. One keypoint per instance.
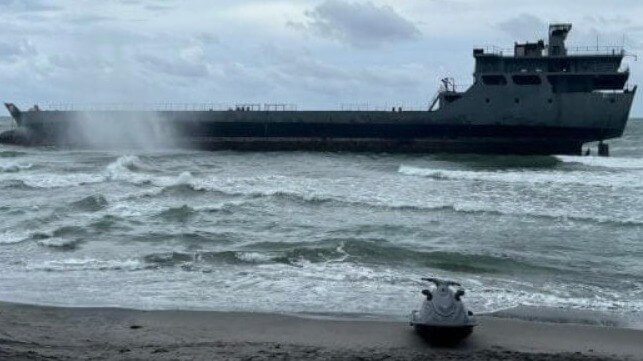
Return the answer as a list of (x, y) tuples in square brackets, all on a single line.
[(56, 333)]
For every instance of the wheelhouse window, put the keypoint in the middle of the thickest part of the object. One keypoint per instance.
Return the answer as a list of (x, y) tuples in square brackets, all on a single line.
[(494, 80), (527, 80)]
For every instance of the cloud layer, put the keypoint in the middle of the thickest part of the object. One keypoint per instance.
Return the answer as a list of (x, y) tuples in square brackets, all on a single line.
[(359, 24), (314, 53)]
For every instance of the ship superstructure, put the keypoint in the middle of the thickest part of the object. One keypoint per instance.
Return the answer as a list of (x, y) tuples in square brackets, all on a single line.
[(540, 98)]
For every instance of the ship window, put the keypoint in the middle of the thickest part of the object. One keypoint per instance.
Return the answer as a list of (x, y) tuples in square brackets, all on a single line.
[(517, 100), (527, 79), (550, 101), (488, 100), (494, 80)]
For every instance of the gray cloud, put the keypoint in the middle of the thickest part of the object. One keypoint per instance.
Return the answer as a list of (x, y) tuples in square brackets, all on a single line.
[(27, 5), (358, 24), (89, 19), (151, 5), (155, 7), (10, 52), (524, 27), (174, 67), (607, 20), (78, 62)]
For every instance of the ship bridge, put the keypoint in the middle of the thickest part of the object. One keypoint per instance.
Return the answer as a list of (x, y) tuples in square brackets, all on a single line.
[(581, 69)]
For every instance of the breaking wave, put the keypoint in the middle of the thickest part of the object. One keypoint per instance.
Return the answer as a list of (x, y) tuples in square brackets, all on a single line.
[(122, 169), (486, 161), (60, 243), (126, 163), (127, 168), (86, 264), (549, 214), (365, 252), (605, 162), (55, 181), (14, 167), (187, 185), (131, 169), (13, 237), (580, 178), (330, 200)]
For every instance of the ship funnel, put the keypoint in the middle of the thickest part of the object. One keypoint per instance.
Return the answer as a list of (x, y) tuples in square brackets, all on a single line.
[(557, 35), (16, 114)]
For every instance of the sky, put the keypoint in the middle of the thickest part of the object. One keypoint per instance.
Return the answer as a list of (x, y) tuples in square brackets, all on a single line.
[(317, 54)]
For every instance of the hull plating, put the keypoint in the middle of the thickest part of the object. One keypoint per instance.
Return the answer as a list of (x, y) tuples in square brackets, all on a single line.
[(509, 120)]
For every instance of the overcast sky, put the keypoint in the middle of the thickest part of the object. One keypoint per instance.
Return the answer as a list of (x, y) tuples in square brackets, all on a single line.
[(314, 53)]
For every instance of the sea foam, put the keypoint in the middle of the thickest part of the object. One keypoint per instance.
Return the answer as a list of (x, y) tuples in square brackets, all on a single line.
[(605, 162)]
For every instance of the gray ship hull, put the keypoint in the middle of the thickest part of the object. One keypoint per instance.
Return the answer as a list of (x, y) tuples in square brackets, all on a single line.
[(536, 128)]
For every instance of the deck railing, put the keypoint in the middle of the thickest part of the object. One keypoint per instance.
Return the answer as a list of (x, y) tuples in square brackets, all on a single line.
[(596, 50), (573, 50), (246, 107), (166, 107)]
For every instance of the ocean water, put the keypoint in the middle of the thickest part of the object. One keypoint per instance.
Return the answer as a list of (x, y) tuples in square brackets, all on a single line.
[(321, 233)]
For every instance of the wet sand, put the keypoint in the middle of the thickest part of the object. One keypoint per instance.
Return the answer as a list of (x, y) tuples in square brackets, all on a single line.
[(47, 333)]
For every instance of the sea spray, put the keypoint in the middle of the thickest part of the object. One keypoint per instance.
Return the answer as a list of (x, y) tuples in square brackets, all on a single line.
[(121, 129)]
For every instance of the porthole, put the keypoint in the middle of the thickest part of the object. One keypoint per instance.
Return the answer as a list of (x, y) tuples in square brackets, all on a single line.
[(487, 100), (517, 100), (550, 100)]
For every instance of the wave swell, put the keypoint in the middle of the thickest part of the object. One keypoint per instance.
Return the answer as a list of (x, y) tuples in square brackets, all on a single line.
[(91, 203), (60, 243), (365, 252)]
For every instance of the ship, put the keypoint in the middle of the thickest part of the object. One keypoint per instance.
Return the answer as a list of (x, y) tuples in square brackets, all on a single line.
[(537, 98)]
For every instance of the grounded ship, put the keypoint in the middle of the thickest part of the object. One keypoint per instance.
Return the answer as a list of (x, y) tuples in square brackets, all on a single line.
[(540, 99)]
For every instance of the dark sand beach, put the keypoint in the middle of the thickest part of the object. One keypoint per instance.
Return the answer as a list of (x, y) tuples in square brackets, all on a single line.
[(48, 333)]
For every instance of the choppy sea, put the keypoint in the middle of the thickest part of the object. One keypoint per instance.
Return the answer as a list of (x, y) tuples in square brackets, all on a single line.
[(322, 233)]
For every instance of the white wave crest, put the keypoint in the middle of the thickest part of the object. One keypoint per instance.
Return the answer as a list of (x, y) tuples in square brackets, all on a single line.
[(555, 213), (123, 169), (130, 162), (184, 178), (604, 162), (14, 167), (86, 264), (595, 178), (12, 237), (253, 257), (123, 165), (57, 242), (60, 180)]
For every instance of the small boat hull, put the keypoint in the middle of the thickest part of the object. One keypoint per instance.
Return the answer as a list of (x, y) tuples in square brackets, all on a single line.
[(444, 335)]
